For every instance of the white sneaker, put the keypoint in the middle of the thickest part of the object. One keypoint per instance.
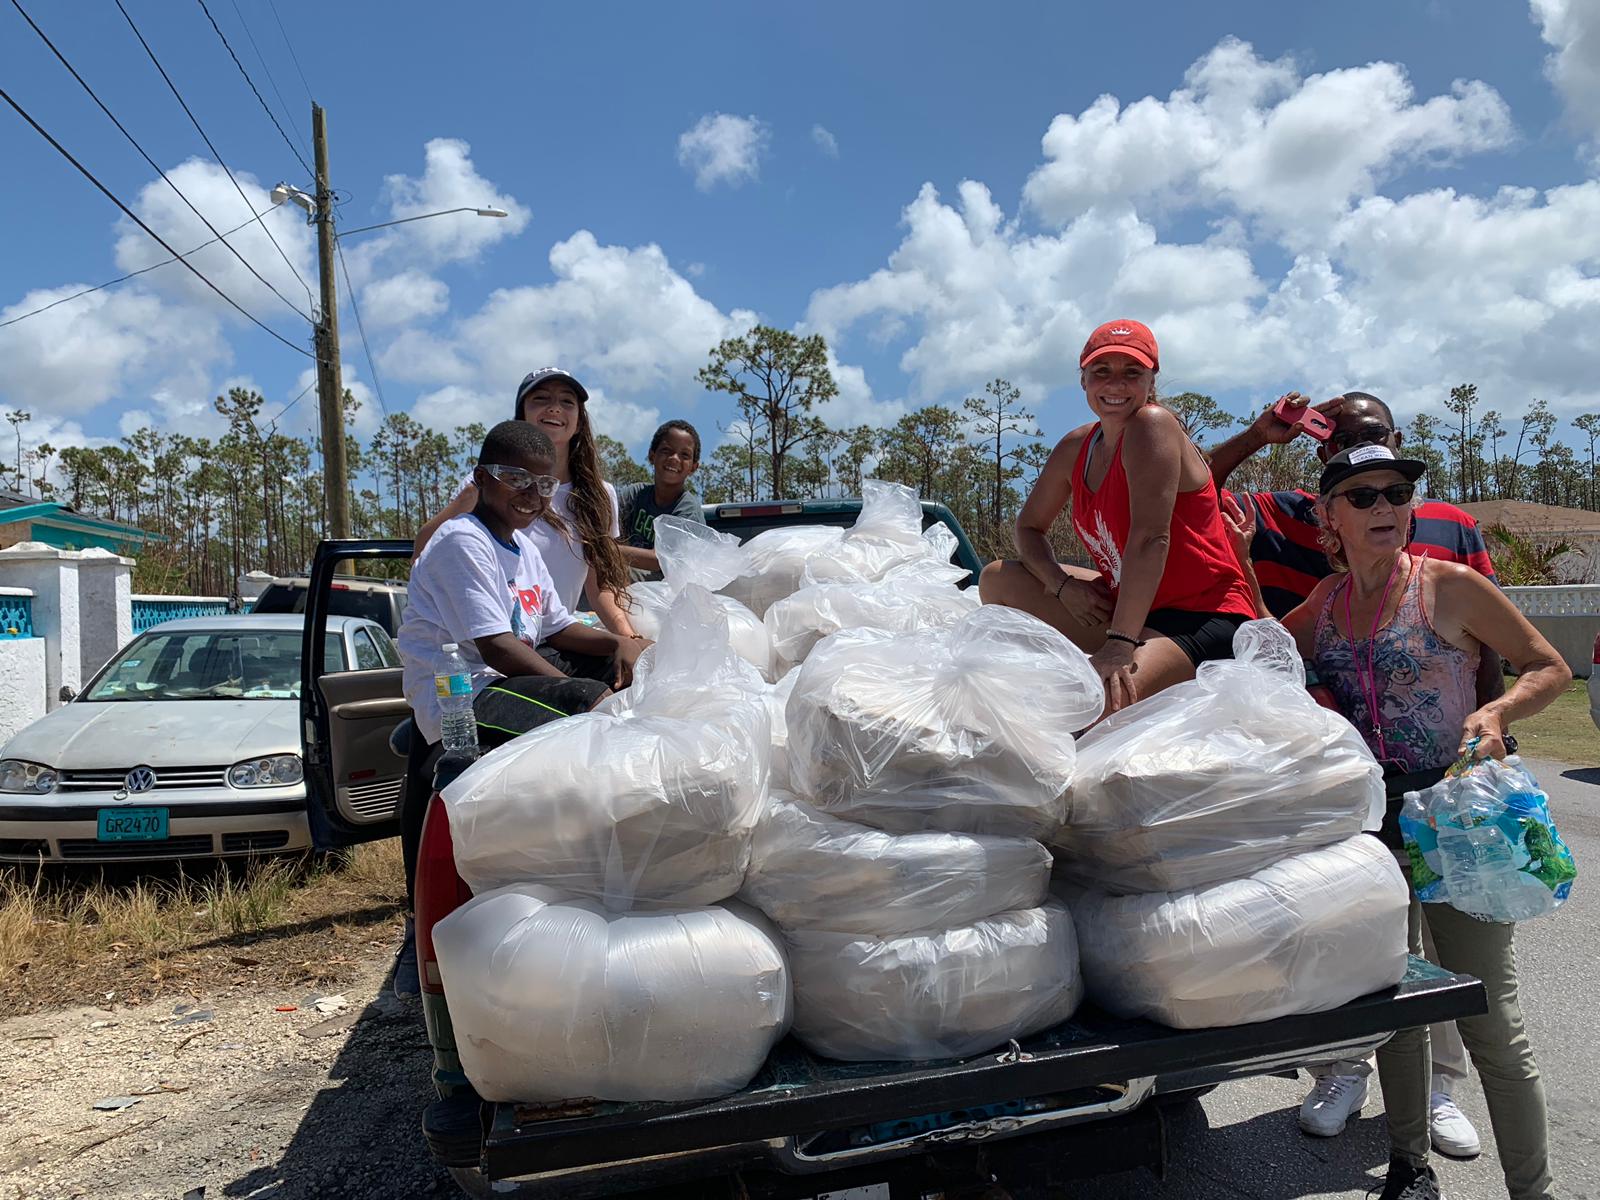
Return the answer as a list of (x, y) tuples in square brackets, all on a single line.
[(1453, 1134), (1331, 1104)]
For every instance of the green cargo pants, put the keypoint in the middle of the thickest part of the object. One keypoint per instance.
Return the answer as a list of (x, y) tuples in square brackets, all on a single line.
[(1498, 1046)]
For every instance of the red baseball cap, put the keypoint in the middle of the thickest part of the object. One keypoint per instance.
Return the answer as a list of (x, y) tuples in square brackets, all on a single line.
[(1122, 337)]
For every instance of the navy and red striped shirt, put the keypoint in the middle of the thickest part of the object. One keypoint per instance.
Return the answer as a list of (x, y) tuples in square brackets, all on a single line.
[(1289, 563)]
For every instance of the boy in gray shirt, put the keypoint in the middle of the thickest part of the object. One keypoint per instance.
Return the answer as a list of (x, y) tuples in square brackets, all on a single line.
[(674, 456)]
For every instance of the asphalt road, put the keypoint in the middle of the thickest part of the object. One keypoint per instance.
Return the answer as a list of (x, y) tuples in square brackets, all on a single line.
[(1243, 1141)]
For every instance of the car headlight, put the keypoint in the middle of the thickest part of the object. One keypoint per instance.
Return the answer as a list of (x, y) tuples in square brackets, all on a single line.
[(278, 770), (28, 778)]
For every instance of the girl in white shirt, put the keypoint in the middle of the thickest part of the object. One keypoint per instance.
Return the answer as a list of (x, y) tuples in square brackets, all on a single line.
[(578, 533)]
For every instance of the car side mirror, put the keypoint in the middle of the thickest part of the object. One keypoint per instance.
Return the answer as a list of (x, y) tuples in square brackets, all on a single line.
[(68, 693)]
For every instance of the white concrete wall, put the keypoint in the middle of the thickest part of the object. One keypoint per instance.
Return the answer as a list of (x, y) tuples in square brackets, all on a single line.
[(105, 590), (1568, 615), (22, 696), (52, 576)]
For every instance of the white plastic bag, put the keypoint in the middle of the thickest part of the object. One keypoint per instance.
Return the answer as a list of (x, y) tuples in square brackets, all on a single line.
[(886, 540), (1213, 778), (812, 871), (968, 727), (943, 995), (650, 800), (1306, 934), (691, 553), (553, 998), (896, 605), (776, 560), (777, 698)]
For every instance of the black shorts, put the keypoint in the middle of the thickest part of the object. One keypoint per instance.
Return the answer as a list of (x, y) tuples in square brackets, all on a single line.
[(507, 708), (1202, 636)]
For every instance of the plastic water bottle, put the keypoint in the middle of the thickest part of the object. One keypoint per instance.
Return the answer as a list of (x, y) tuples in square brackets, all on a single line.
[(1480, 867), (458, 725)]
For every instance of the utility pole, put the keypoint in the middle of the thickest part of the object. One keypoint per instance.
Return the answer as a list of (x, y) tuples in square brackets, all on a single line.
[(330, 383)]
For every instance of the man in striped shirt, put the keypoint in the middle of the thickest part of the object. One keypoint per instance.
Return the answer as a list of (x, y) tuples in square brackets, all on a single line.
[(1289, 562), (1287, 558)]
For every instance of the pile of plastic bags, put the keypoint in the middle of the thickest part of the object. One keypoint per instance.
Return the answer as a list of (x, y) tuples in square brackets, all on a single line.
[(908, 881), (693, 554), (1213, 845), (596, 960)]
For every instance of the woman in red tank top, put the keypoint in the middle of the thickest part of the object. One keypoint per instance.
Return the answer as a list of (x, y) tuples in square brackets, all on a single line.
[(1168, 593)]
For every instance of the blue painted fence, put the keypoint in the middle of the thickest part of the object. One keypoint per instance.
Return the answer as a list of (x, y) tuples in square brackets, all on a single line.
[(152, 610), (16, 616)]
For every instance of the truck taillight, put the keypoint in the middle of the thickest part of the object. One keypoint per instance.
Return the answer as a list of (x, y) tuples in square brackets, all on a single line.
[(440, 891)]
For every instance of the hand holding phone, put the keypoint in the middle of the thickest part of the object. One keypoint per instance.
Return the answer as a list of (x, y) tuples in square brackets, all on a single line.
[(1303, 416)]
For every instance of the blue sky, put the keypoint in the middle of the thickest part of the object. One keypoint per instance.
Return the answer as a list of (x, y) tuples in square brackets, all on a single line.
[(1311, 196)]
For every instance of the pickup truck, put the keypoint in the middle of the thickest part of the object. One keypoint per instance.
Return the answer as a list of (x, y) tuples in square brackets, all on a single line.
[(1087, 1097)]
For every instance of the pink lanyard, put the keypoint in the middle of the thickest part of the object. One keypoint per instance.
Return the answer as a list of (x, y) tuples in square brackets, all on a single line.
[(1369, 679)]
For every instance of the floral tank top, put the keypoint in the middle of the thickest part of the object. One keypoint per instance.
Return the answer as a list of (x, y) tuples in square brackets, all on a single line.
[(1426, 687)]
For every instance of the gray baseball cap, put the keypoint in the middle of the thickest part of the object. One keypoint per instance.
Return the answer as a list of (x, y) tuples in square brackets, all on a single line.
[(534, 378)]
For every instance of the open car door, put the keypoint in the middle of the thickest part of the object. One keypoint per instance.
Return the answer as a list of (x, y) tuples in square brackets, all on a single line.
[(354, 781)]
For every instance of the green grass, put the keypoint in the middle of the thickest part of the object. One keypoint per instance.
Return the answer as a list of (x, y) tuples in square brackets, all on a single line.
[(1564, 732)]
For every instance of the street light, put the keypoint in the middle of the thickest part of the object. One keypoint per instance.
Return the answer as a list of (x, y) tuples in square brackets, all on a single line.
[(482, 212)]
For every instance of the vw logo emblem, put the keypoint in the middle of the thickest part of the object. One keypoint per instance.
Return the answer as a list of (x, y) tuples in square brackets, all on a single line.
[(140, 779)]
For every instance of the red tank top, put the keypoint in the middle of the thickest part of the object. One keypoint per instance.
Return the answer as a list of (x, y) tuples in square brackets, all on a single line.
[(1202, 574)]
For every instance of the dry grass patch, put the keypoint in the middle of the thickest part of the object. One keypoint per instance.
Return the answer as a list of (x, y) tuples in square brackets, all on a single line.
[(71, 935)]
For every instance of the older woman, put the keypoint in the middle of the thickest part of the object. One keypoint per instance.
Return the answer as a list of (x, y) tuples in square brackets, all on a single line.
[(1396, 637), (1169, 592)]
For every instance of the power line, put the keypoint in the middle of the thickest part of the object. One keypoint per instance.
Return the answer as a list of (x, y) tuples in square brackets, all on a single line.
[(131, 274), (253, 88), (134, 217), (361, 329), (262, 59), (215, 153), (83, 83), (273, 424), (272, 4)]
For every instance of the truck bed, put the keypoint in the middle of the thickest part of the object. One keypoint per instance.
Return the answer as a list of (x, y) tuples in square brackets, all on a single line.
[(795, 1114)]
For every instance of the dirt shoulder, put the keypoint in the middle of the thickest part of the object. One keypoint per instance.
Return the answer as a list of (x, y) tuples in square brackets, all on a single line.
[(233, 1096)]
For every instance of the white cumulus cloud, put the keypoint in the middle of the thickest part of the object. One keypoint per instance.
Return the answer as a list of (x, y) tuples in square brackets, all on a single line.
[(403, 298), (449, 179), (825, 141), (1572, 28), (1258, 138), (721, 148)]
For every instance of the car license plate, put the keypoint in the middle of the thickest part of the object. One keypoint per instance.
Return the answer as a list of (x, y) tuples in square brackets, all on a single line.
[(873, 1191), (132, 824)]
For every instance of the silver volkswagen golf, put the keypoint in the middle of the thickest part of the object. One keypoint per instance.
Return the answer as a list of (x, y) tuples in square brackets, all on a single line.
[(185, 745)]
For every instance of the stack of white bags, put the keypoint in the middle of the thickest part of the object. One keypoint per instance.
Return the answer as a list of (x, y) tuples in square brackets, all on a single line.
[(595, 959), (909, 882), (1213, 855), (826, 803)]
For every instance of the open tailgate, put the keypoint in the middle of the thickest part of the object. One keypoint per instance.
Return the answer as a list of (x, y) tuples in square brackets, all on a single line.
[(797, 1094)]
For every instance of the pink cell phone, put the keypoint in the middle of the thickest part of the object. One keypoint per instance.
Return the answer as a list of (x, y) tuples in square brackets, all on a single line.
[(1318, 425)]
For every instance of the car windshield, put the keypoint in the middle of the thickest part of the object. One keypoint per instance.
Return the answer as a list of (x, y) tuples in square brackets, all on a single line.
[(211, 665)]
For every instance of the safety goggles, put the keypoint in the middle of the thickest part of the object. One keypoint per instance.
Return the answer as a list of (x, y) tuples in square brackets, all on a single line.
[(519, 480), (1365, 497)]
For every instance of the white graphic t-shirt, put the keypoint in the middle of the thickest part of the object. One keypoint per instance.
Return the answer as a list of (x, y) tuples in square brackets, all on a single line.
[(468, 584)]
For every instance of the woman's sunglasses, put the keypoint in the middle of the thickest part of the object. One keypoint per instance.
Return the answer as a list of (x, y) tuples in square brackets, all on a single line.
[(519, 480), (1365, 497)]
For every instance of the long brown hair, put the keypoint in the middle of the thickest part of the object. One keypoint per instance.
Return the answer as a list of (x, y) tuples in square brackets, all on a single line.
[(591, 508)]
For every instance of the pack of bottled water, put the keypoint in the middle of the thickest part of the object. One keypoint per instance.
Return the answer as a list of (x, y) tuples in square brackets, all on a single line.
[(1482, 841)]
